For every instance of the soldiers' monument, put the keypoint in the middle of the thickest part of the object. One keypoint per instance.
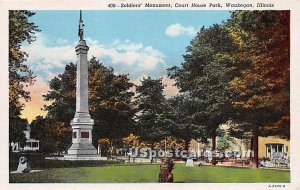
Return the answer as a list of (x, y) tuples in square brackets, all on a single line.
[(82, 124)]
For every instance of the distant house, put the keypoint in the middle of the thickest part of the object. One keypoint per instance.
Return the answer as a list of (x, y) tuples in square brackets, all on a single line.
[(270, 147), (273, 148), (31, 144)]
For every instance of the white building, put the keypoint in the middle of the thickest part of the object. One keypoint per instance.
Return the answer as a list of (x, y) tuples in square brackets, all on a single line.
[(31, 144)]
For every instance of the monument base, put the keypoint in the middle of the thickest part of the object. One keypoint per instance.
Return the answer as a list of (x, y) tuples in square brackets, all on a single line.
[(82, 149), (78, 157), (83, 157)]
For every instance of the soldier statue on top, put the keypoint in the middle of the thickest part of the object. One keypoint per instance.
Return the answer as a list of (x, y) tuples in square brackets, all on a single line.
[(80, 28)]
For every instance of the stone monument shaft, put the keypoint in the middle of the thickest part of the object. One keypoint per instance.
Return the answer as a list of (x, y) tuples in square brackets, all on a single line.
[(82, 103), (82, 124)]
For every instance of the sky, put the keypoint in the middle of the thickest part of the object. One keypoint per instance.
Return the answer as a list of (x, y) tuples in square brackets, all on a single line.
[(139, 43)]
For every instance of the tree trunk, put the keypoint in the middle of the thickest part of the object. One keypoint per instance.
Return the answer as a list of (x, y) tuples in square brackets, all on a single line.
[(213, 148), (254, 146), (152, 147)]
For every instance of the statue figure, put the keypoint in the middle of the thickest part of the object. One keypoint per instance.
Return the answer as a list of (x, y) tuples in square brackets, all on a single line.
[(80, 28)]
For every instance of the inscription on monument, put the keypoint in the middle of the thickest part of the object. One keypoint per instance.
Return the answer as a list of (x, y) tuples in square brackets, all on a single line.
[(85, 135)]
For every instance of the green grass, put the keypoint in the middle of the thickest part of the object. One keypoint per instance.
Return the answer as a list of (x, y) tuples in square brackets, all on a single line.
[(218, 174), (149, 174)]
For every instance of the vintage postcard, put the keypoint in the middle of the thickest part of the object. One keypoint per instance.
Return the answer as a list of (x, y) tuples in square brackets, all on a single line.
[(150, 94)]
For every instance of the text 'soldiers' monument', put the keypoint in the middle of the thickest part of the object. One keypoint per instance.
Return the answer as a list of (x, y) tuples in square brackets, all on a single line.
[(82, 124)]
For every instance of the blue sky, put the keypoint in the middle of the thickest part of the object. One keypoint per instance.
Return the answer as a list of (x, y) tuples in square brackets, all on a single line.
[(59, 28), (140, 43)]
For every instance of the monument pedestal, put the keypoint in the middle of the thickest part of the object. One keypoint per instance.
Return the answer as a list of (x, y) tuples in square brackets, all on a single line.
[(82, 126)]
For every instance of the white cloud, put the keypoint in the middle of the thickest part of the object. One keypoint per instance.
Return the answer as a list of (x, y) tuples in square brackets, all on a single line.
[(177, 29), (43, 57), (61, 41), (124, 56), (128, 54)]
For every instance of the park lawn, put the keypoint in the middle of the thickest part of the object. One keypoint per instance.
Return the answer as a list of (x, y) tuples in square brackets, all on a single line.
[(149, 174), (219, 174)]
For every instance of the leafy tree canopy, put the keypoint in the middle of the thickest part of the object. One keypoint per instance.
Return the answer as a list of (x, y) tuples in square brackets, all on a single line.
[(20, 76)]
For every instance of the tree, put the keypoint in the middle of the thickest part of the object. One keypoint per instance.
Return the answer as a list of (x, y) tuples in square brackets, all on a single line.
[(152, 118), (131, 141), (266, 78), (183, 125), (239, 70), (260, 90), (63, 96), (49, 132), (39, 131), (20, 76), (16, 130), (204, 74), (109, 104), (223, 143), (170, 143), (105, 145)]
